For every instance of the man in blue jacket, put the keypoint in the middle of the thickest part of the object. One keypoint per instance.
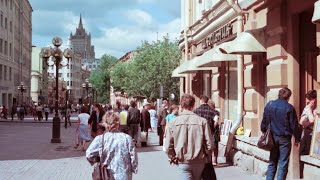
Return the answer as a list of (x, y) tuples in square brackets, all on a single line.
[(284, 125)]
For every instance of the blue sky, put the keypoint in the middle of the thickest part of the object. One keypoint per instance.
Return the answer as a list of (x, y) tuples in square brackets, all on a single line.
[(116, 26)]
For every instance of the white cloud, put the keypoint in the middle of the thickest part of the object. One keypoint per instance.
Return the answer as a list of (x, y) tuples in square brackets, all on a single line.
[(119, 40), (146, 1), (138, 16)]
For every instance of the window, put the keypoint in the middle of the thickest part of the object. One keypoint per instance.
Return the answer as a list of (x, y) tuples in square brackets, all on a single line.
[(1, 20), (6, 2), (10, 26), (5, 73), (11, 4), (5, 47), (1, 46), (5, 23), (60, 75), (67, 74), (10, 50), (0, 72), (10, 73)]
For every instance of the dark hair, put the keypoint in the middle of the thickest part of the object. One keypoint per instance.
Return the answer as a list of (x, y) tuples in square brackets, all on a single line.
[(133, 104), (126, 107), (99, 107), (284, 93), (204, 98), (84, 109), (312, 94), (187, 101), (172, 107)]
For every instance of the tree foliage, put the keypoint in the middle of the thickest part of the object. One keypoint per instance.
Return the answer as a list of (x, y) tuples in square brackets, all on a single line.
[(100, 78), (151, 67)]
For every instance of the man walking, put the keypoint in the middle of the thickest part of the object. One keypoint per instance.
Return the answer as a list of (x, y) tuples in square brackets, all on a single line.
[(284, 125), (145, 121), (133, 120), (188, 140)]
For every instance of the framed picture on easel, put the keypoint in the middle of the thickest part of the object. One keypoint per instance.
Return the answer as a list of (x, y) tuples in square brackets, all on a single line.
[(315, 143)]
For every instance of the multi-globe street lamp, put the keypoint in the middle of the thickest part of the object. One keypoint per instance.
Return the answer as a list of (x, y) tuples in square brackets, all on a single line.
[(22, 88), (57, 57), (87, 86)]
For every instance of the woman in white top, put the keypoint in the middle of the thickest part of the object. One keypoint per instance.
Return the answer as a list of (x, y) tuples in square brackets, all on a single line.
[(83, 129), (153, 118)]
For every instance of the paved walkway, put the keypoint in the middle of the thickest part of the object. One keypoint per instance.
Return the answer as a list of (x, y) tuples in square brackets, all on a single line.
[(26, 153)]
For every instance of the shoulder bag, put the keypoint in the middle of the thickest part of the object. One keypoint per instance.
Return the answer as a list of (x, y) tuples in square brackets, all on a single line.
[(266, 141), (99, 171)]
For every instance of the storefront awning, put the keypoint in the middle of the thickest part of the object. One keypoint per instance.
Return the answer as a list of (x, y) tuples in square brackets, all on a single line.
[(175, 73), (248, 42), (191, 66), (214, 57), (316, 12)]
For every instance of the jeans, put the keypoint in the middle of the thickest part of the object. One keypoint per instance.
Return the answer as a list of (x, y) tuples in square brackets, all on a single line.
[(279, 156), (134, 128), (191, 171), (47, 115)]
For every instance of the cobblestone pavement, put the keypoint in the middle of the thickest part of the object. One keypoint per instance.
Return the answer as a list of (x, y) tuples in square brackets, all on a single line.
[(27, 154)]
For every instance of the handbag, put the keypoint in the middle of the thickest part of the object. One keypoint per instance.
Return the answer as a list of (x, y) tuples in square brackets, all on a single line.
[(99, 171), (266, 141)]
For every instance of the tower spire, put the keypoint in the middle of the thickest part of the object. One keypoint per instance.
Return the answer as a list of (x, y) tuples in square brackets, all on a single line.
[(80, 22)]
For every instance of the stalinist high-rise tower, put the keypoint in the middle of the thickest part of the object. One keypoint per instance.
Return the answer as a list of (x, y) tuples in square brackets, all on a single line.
[(80, 42)]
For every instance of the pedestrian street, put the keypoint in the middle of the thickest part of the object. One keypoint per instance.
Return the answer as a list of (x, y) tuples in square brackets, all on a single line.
[(26, 153)]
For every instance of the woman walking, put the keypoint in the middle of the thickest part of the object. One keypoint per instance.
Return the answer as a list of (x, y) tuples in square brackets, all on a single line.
[(83, 129), (95, 119), (153, 117), (118, 155)]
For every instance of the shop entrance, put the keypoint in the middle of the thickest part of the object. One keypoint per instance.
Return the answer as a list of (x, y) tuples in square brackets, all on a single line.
[(308, 52)]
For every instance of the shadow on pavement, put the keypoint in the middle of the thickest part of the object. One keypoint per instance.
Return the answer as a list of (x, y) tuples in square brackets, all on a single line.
[(150, 148), (26, 141)]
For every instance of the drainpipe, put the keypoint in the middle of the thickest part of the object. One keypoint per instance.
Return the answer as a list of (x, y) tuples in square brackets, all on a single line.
[(236, 124), (186, 46), (240, 58)]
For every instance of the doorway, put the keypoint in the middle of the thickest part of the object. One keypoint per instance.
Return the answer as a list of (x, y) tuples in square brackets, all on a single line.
[(308, 52)]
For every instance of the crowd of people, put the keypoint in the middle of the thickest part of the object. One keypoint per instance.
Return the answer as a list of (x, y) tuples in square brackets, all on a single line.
[(117, 130), (189, 135)]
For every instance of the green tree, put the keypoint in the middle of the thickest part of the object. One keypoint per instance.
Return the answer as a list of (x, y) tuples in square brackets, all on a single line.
[(100, 78), (151, 67)]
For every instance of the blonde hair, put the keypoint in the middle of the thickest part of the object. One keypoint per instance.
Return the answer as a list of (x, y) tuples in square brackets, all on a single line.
[(111, 122)]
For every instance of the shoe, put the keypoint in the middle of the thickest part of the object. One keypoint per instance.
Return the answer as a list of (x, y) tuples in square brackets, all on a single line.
[(76, 146)]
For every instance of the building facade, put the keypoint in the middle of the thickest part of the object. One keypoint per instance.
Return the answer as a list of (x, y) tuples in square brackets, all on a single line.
[(91, 64), (240, 53), (80, 42), (15, 50), (72, 75), (37, 77)]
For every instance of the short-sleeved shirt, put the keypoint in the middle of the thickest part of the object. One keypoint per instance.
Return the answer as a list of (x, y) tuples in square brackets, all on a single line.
[(170, 117), (84, 118), (123, 117), (305, 113)]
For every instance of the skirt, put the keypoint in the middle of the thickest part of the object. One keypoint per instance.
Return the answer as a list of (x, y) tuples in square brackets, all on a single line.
[(84, 133)]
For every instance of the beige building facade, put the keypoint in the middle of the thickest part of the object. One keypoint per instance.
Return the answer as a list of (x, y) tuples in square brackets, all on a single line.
[(15, 50), (240, 53)]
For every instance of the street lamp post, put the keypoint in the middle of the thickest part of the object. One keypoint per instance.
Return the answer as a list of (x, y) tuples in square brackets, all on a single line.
[(67, 99), (22, 88), (57, 57), (87, 85)]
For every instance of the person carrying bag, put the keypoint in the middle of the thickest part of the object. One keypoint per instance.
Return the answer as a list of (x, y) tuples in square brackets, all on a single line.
[(99, 171)]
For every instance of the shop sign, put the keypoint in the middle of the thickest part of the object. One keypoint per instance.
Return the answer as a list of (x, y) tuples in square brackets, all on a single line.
[(217, 36)]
